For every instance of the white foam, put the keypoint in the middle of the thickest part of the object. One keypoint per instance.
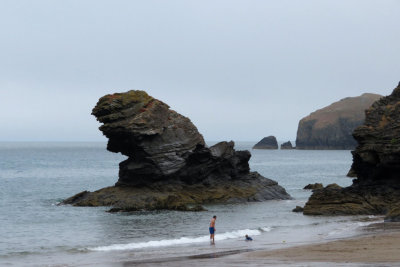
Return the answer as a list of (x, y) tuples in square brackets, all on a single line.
[(182, 240), (351, 226), (266, 229)]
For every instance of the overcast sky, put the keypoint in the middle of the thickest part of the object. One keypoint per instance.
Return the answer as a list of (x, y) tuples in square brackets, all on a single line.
[(240, 70)]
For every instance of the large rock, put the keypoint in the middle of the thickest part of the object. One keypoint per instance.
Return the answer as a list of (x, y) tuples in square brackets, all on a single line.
[(376, 163), (331, 127), (267, 143), (169, 166)]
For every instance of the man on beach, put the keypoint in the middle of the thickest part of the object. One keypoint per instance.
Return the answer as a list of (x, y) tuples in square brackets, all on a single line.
[(212, 229)]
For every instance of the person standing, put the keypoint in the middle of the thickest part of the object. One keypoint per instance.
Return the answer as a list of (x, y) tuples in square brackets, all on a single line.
[(212, 229)]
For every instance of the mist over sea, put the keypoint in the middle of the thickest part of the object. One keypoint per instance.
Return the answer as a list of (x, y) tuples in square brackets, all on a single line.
[(35, 231)]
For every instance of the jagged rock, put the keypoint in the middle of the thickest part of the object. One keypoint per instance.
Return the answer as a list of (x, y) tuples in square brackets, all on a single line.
[(298, 209), (376, 162), (267, 143), (331, 127), (287, 145), (314, 186), (168, 165)]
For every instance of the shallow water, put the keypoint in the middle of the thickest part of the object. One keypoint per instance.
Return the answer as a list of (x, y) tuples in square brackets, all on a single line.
[(34, 177)]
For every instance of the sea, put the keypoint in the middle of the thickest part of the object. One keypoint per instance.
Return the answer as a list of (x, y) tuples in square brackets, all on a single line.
[(36, 231)]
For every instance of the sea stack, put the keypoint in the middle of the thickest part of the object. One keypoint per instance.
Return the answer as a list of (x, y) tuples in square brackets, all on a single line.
[(169, 165), (331, 127), (267, 143), (287, 145), (376, 164)]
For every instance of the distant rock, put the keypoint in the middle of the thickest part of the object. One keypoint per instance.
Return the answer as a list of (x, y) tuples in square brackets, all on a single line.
[(287, 145), (267, 143), (169, 165), (376, 163), (298, 209), (314, 186), (331, 127)]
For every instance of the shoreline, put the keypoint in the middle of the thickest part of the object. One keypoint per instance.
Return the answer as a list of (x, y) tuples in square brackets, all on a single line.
[(377, 247), (378, 243)]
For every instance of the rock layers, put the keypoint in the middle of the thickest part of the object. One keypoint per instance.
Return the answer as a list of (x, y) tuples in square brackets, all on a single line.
[(331, 127), (267, 143), (376, 164), (169, 166)]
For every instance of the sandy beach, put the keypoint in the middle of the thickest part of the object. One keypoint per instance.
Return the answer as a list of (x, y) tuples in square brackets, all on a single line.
[(380, 246)]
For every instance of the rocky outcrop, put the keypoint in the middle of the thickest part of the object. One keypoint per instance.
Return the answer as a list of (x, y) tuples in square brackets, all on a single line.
[(314, 186), (376, 163), (331, 127), (267, 143), (298, 209), (393, 215), (287, 145), (168, 165)]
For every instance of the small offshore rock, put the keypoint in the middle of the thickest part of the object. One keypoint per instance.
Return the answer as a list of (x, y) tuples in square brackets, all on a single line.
[(287, 145), (314, 186), (298, 209), (267, 143)]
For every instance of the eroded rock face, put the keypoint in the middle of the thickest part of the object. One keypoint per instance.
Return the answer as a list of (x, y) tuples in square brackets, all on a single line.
[(331, 127), (376, 164), (267, 143), (169, 166), (156, 139)]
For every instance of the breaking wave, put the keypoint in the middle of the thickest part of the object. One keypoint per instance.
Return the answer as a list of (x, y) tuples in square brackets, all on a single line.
[(183, 240)]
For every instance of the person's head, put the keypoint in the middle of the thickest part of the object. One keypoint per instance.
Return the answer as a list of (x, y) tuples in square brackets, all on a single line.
[(247, 236), (215, 217)]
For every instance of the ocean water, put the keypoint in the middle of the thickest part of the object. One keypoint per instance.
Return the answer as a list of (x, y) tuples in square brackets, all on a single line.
[(35, 231)]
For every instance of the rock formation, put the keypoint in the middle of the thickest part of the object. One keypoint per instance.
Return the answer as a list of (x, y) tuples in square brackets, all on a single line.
[(169, 166), (376, 163), (267, 143), (331, 127), (287, 145), (314, 186), (298, 209)]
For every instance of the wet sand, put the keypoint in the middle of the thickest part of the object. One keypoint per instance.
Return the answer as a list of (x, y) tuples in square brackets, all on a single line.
[(379, 245), (378, 248)]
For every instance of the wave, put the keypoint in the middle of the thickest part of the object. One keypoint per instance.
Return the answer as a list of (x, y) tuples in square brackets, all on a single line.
[(183, 240), (353, 226)]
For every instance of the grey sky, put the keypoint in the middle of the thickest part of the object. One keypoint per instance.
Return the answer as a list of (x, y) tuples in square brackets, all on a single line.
[(240, 70)]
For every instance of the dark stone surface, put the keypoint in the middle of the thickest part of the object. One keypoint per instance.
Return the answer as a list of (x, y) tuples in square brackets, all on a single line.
[(376, 164), (331, 127), (314, 186), (168, 165), (298, 209), (267, 143), (393, 215), (287, 145)]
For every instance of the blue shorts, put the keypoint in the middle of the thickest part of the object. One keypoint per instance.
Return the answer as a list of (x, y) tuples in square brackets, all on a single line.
[(212, 230)]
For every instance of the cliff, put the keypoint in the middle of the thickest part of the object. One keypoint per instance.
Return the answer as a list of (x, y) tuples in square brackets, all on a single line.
[(267, 143), (331, 127), (169, 166), (376, 164)]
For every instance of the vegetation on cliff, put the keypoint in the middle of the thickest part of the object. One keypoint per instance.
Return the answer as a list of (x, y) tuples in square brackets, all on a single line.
[(331, 127)]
